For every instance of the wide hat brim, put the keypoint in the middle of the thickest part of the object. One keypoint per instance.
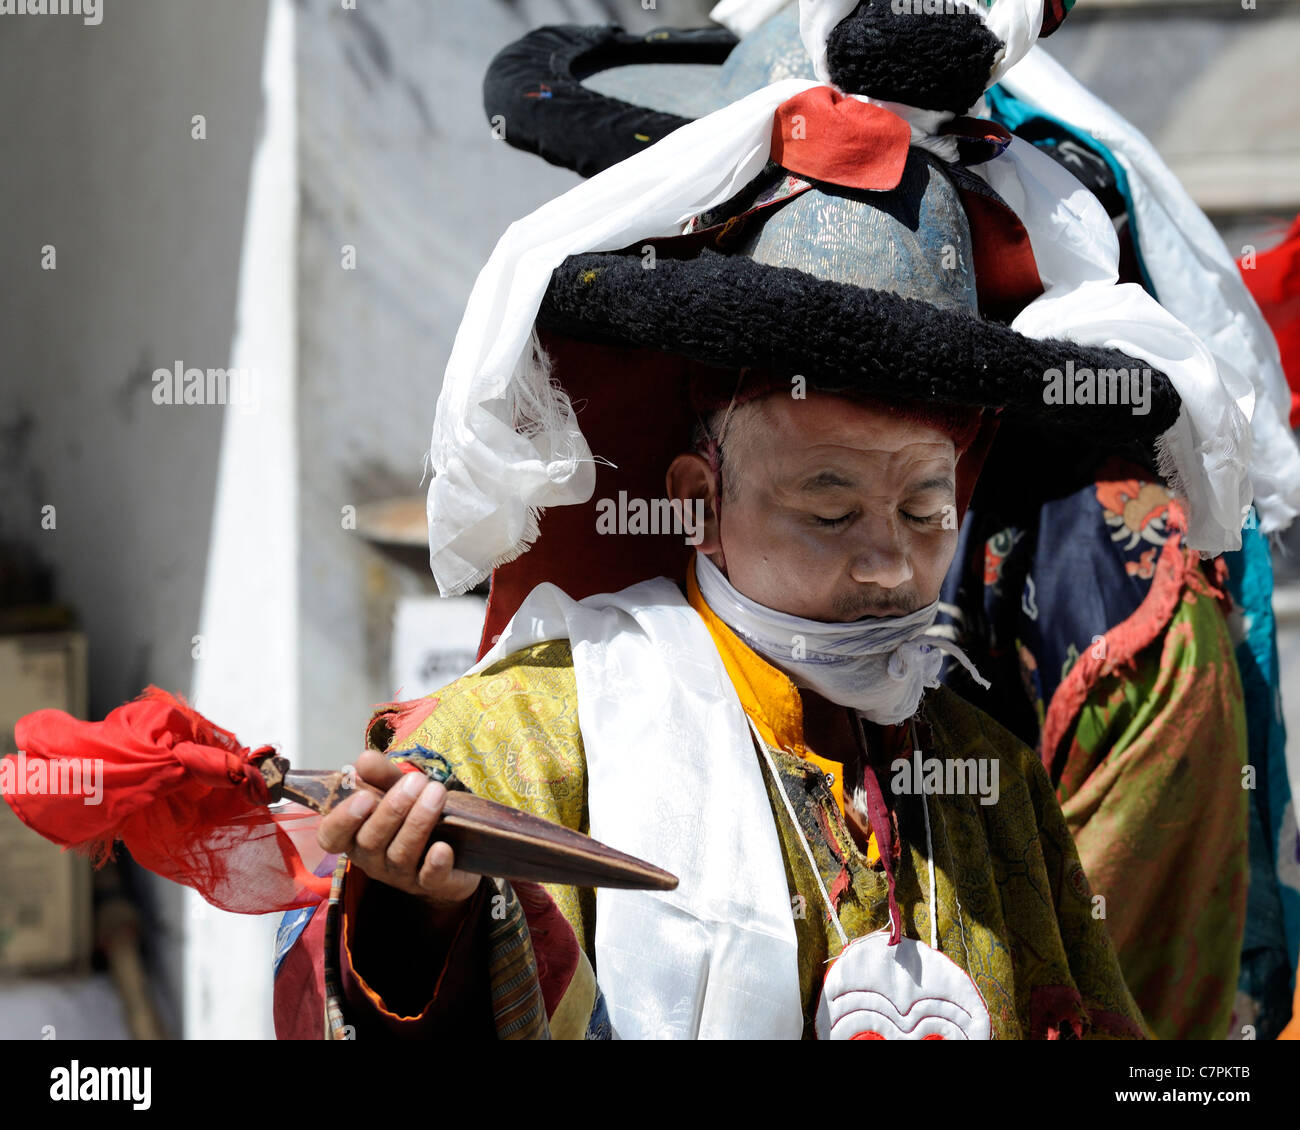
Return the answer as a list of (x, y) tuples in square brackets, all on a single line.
[(729, 312), (892, 324)]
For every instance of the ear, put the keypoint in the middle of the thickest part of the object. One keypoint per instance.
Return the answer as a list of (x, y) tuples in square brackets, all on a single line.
[(690, 479)]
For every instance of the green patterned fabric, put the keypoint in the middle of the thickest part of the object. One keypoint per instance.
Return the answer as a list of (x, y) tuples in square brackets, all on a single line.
[(1153, 790), (1014, 907)]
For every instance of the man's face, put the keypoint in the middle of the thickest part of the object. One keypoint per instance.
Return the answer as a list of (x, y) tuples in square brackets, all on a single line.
[(838, 510)]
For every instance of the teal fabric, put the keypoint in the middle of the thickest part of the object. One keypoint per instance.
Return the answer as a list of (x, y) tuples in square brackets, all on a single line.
[(1272, 938), (1011, 112)]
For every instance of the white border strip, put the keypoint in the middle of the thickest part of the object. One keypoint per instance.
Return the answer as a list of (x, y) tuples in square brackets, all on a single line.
[(246, 677)]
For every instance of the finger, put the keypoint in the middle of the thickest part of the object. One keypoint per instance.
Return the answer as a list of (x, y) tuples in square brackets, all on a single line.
[(407, 845), (464, 883), (376, 833), (337, 831), (440, 877), (438, 866), (375, 769)]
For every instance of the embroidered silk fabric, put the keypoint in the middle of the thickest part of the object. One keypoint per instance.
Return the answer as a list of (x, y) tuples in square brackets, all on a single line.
[(1025, 933), (1106, 642), (1154, 797), (1169, 257)]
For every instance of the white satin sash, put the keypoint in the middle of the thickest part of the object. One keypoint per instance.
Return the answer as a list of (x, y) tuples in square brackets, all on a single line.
[(673, 778)]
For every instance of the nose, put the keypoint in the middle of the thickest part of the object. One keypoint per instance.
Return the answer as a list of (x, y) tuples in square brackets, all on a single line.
[(881, 557)]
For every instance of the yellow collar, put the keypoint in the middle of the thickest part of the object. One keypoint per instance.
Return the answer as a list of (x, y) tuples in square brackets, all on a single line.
[(767, 694)]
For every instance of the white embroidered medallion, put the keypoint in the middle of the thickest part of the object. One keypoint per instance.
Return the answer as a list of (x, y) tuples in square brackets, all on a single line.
[(875, 991)]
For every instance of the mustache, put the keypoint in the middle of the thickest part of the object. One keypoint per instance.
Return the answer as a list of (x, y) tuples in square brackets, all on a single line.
[(856, 606)]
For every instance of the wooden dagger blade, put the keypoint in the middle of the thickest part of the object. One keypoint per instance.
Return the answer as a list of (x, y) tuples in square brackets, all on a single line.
[(488, 838)]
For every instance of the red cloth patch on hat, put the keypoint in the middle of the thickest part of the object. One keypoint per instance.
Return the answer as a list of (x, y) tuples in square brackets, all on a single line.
[(830, 137)]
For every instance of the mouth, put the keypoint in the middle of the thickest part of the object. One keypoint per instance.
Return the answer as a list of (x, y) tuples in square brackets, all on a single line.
[(869, 601), (852, 615), (884, 614)]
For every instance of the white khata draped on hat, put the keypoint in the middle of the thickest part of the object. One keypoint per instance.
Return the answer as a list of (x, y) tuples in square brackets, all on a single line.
[(506, 442)]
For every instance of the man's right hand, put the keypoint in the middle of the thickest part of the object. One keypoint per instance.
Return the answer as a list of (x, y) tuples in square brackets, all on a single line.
[(386, 836)]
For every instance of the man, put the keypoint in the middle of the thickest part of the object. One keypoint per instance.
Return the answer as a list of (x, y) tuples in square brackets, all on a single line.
[(1068, 552), (834, 511), (834, 282)]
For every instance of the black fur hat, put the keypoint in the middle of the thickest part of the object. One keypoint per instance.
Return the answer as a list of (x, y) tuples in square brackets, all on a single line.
[(873, 291), (904, 292)]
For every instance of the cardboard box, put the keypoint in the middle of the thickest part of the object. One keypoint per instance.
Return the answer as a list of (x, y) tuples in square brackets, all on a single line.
[(45, 892)]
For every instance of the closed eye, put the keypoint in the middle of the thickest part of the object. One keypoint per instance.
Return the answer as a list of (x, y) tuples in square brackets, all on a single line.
[(832, 523)]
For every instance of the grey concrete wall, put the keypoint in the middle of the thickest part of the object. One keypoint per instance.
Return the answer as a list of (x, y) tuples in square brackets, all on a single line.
[(397, 161), (1213, 87), (146, 223)]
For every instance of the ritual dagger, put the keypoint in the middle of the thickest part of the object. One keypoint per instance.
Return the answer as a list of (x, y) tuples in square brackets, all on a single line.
[(487, 838)]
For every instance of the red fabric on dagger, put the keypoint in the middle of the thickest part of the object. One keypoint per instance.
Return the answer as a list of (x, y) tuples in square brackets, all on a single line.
[(176, 789)]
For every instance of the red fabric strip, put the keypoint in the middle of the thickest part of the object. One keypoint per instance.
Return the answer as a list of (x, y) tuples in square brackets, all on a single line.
[(1006, 272), (878, 813), (1273, 277), (830, 137), (555, 945), (299, 998)]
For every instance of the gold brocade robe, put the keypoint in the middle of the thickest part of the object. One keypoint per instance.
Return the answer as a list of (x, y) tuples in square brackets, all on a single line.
[(1014, 907)]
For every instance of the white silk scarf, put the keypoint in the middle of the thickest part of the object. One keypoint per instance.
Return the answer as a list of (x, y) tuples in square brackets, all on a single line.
[(1195, 276), (673, 777), (878, 665)]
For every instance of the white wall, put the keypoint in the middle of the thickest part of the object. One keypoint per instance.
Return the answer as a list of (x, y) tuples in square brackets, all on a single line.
[(398, 161)]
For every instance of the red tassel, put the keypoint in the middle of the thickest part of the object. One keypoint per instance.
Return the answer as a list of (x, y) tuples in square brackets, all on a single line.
[(175, 788)]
